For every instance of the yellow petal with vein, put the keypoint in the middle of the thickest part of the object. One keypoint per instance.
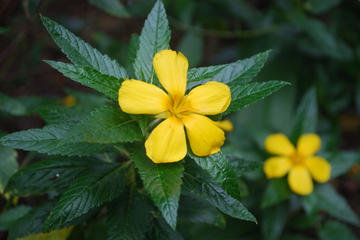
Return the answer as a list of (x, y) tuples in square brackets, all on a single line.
[(138, 97), (209, 99), (279, 144), (167, 142), (277, 167), (300, 181), (204, 136), (171, 69), (308, 144), (319, 168)]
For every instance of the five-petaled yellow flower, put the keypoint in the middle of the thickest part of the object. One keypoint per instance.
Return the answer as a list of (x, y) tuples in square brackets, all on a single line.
[(167, 142), (300, 163)]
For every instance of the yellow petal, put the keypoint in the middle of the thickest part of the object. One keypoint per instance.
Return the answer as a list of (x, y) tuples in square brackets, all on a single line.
[(308, 144), (209, 99), (279, 144), (225, 125), (277, 167), (204, 136), (167, 142), (299, 180), (138, 97), (171, 69), (319, 168)]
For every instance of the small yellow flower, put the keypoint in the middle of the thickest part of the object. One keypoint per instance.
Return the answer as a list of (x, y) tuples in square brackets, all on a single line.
[(167, 142), (300, 163), (69, 101)]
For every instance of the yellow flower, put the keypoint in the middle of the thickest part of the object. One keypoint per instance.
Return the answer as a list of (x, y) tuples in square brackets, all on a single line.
[(167, 142), (69, 101), (300, 163)]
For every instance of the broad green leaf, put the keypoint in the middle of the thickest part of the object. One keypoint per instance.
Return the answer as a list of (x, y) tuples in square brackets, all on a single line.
[(273, 221), (51, 139), (328, 200), (10, 216), (241, 71), (47, 175), (60, 234), (81, 53), (155, 36), (164, 232), (243, 165), (192, 46), (8, 165), (61, 114), (88, 99), (333, 230), (306, 116), (106, 125), (243, 95), (221, 171), (162, 182), (277, 190), (100, 184), (217, 197), (131, 53), (106, 84), (11, 106), (112, 7), (194, 210), (342, 162), (32, 222), (129, 217)]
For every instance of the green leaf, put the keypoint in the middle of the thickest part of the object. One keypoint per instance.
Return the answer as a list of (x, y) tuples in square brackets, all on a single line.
[(32, 222), (221, 171), (342, 162), (61, 114), (195, 211), (243, 95), (241, 71), (87, 76), (131, 54), (333, 230), (276, 191), (192, 46), (242, 165), (129, 217), (8, 218), (47, 175), (328, 200), (273, 221), (106, 125), (80, 53), (217, 197), (8, 165), (321, 6), (306, 116), (155, 36), (51, 139), (102, 183), (112, 7), (164, 232), (162, 181), (60, 234), (11, 106)]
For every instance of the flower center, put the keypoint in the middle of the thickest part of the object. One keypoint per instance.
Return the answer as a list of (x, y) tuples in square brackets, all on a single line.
[(297, 159)]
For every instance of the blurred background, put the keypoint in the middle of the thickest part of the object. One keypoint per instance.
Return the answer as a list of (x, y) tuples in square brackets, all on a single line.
[(315, 45)]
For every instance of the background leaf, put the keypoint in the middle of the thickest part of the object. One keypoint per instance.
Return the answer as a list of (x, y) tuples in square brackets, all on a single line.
[(8, 165), (332, 230), (112, 7), (9, 217), (277, 190)]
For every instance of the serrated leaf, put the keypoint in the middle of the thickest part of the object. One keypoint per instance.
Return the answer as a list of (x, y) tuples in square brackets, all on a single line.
[(112, 7), (306, 116), (241, 71), (243, 95), (217, 197), (162, 182), (333, 230), (155, 36), (107, 124), (105, 84), (242, 165), (51, 140), (277, 191), (8, 165), (60, 114), (11, 106), (10, 216), (221, 171), (328, 200), (100, 184), (129, 217), (81, 53), (32, 222), (194, 210), (46, 175)]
